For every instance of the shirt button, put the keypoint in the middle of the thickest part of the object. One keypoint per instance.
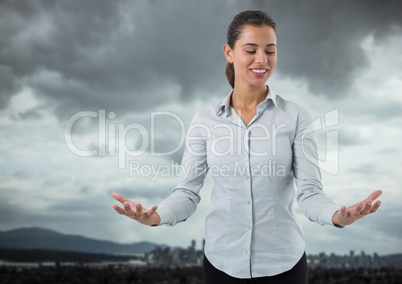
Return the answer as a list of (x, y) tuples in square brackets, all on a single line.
[(248, 202)]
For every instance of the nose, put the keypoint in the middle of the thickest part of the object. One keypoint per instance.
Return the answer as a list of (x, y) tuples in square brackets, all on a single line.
[(261, 57)]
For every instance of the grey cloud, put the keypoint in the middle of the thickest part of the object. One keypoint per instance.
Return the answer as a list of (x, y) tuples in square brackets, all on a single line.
[(131, 56), (22, 175), (391, 151), (62, 211), (116, 55), (359, 236), (84, 189), (165, 146), (346, 137), (75, 218), (366, 169), (321, 41), (168, 136), (386, 218), (144, 192), (9, 213), (77, 207), (349, 137), (384, 111), (32, 113), (9, 84)]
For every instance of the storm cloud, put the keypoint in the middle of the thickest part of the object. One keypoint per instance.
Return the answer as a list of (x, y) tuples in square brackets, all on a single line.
[(130, 56), (133, 58)]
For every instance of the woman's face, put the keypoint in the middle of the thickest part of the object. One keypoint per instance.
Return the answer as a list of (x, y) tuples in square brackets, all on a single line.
[(254, 55)]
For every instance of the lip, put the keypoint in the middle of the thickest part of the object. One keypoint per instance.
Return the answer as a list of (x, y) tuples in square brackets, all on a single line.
[(258, 74)]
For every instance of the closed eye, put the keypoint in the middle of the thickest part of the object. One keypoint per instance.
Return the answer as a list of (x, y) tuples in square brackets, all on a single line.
[(253, 52)]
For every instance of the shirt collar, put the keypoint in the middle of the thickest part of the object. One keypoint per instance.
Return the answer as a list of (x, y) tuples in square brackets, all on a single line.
[(224, 106)]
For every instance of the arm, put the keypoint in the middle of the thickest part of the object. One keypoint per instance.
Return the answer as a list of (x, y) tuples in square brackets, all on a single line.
[(183, 202), (315, 204)]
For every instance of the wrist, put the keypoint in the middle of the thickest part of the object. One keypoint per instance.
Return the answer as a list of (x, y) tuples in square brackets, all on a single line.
[(336, 221), (156, 220)]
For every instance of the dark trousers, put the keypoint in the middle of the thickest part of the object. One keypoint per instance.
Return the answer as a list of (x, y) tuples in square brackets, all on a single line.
[(297, 275)]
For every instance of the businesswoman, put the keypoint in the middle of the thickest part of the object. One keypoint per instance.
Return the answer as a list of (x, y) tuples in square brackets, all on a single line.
[(258, 148)]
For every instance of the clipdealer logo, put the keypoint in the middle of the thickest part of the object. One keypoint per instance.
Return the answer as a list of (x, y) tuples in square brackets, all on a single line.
[(112, 141), (329, 125), (119, 133)]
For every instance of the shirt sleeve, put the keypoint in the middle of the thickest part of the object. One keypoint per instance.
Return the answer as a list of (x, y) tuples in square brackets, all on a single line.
[(183, 202), (315, 204)]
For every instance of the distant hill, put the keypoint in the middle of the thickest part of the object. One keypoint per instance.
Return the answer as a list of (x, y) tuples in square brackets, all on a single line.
[(44, 239)]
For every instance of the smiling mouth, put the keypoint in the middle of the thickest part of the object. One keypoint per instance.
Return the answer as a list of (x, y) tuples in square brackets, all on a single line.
[(259, 71)]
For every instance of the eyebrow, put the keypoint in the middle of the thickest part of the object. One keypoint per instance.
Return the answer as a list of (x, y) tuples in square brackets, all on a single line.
[(253, 44)]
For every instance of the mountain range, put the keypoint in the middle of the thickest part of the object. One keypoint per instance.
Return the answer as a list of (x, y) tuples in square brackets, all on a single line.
[(45, 239)]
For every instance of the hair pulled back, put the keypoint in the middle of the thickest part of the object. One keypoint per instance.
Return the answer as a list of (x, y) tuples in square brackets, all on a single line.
[(253, 18)]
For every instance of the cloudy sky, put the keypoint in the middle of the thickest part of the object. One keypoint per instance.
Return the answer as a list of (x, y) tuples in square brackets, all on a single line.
[(95, 94)]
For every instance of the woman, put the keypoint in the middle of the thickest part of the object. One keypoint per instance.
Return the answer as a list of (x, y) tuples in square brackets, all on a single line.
[(256, 145)]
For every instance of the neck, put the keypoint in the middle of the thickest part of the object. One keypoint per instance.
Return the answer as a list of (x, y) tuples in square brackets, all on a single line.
[(248, 97)]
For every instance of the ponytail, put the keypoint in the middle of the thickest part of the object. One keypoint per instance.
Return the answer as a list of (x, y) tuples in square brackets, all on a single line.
[(230, 74)]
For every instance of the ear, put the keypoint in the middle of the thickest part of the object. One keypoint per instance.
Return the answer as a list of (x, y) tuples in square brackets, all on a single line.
[(228, 53)]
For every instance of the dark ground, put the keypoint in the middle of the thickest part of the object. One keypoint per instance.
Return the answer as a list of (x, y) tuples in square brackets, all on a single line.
[(190, 275)]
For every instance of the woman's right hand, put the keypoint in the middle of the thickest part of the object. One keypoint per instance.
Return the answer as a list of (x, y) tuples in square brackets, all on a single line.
[(135, 211)]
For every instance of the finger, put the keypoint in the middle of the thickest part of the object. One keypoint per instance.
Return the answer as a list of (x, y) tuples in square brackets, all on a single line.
[(357, 209), (150, 212), (128, 209), (373, 196), (119, 197), (344, 211), (366, 208), (375, 206), (153, 209), (119, 209), (138, 210)]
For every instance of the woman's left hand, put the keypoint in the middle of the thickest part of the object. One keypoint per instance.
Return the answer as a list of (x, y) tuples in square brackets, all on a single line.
[(346, 216)]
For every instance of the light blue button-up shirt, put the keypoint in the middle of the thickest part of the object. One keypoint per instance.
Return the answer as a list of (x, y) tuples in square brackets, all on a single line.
[(258, 170)]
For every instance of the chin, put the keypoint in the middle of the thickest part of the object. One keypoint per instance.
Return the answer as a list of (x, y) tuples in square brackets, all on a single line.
[(261, 84)]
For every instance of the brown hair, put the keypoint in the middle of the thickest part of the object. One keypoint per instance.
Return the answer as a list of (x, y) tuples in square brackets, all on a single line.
[(253, 18)]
